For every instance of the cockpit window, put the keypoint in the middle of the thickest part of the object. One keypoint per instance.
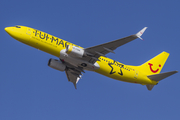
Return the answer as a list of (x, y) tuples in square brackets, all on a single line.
[(17, 26)]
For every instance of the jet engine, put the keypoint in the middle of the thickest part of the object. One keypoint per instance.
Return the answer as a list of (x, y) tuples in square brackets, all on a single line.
[(75, 51), (56, 64)]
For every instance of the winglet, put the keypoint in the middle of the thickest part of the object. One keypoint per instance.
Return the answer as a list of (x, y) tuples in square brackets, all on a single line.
[(139, 34)]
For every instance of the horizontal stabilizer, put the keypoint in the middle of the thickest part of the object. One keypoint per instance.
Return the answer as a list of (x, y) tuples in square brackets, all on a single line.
[(158, 77)]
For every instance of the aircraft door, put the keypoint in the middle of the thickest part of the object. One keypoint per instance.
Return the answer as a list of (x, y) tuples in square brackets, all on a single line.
[(28, 32), (136, 74)]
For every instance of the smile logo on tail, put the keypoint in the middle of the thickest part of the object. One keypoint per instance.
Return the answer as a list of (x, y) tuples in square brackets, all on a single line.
[(154, 71)]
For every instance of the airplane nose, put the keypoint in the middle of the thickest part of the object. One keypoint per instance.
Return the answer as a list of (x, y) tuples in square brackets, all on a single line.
[(7, 29), (11, 32)]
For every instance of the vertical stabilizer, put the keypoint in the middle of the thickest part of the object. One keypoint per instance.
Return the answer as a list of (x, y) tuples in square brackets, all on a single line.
[(155, 65)]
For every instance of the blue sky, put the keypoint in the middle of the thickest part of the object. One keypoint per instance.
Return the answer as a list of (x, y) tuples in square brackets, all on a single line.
[(30, 90)]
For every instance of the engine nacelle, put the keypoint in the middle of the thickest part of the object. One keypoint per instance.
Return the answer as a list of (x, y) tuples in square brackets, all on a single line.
[(74, 51), (56, 64)]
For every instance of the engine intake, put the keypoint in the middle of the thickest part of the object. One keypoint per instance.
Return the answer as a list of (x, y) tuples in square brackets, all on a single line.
[(75, 51), (56, 64)]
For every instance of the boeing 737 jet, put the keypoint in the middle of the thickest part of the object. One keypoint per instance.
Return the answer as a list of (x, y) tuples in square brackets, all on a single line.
[(74, 59)]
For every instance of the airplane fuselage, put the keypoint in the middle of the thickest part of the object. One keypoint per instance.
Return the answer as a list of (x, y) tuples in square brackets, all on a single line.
[(56, 46)]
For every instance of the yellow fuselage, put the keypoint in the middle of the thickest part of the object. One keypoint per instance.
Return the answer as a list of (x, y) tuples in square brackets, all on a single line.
[(54, 45)]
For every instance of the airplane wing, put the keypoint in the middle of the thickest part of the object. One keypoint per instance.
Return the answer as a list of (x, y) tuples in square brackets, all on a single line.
[(93, 53), (73, 73), (101, 50), (73, 77)]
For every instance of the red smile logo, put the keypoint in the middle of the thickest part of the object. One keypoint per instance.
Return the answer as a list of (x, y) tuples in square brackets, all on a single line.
[(154, 71)]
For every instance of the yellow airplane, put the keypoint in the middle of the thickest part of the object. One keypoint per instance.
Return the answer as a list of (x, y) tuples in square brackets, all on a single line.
[(74, 59)]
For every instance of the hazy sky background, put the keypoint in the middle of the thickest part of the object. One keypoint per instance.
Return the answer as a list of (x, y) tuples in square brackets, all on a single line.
[(30, 90)]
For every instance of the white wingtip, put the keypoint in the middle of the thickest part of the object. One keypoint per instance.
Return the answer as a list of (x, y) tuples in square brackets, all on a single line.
[(80, 77), (139, 34)]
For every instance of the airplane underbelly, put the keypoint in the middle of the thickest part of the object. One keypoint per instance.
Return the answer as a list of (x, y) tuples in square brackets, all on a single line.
[(78, 62)]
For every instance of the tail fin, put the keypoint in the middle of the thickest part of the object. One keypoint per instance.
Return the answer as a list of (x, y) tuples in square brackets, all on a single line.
[(155, 65)]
